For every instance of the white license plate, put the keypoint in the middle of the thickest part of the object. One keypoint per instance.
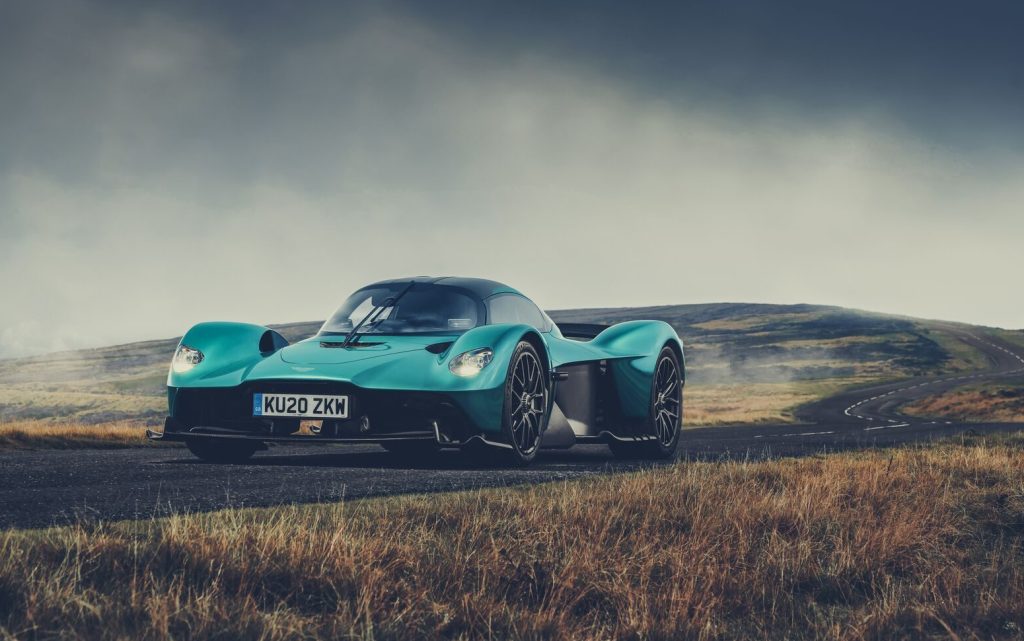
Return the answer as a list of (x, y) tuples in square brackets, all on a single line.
[(300, 405)]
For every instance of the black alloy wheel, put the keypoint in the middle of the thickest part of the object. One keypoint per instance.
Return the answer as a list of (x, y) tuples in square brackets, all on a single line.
[(525, 412), (668, 400)]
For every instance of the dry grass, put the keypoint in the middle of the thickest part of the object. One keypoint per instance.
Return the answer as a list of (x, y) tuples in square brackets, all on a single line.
[(754, 321), (83, 405), (912, 543), (964, 357), (1015, 337), (979, 404), (70, 435), (708, 404)]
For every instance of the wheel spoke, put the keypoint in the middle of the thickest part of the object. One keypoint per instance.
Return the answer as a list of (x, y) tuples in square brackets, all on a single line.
[(517, 423), (519, 376), (664, 373)]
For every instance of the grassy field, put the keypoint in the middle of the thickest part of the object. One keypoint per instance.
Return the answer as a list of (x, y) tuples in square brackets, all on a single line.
[(1014, 336), (980, 403), (923, 542), (84, 406), (70, 435), (712, 404), (108, 384)]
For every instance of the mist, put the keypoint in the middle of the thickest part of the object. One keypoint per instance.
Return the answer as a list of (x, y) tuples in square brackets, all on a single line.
[(159, 169)]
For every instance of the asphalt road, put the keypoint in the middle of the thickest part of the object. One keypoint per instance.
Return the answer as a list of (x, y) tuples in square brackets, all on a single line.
[(45, 487)]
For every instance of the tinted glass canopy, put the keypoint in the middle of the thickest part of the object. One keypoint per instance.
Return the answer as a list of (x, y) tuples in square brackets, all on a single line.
[(406, 308)]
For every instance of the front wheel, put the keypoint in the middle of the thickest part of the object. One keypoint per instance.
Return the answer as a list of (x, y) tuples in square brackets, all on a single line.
[(524, 414), (227, 451), (665, 414)]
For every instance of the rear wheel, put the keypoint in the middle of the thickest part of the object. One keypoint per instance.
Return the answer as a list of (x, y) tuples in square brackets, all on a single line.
[(226, 451), (665, 414)]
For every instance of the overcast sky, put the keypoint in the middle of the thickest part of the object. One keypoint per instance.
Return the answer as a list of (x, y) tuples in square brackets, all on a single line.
[(164, 163)]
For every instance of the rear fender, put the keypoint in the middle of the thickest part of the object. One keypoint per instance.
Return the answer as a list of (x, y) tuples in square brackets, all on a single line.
[(633, 348)]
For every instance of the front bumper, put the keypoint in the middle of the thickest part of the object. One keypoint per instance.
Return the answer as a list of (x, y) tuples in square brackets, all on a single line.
[(374, 415), (175, 432)]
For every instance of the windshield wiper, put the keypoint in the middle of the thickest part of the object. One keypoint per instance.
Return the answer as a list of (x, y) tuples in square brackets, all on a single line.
[(372, 315)]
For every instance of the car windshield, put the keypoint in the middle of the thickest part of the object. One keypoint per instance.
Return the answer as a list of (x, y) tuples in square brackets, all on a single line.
[(425, 309)]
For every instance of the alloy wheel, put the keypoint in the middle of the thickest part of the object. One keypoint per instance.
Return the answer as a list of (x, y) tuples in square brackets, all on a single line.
[(667, 401), (529, 401)]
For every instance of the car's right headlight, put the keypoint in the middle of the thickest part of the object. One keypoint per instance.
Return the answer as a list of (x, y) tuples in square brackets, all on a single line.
[(185, 359), (470, 363)]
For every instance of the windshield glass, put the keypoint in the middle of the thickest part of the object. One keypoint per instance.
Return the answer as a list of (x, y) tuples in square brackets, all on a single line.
[(425, 308)]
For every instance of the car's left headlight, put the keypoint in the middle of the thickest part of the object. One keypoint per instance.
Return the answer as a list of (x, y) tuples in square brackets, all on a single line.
[(470, 363), (186, 358)]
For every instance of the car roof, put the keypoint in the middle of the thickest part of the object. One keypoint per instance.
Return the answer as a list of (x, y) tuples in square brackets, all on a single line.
[(480, 287)]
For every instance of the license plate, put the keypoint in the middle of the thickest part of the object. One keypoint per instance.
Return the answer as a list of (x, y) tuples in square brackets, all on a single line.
[(300, 405)]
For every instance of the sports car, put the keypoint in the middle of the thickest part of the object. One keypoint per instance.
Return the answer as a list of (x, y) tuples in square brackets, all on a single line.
[(422, 364)]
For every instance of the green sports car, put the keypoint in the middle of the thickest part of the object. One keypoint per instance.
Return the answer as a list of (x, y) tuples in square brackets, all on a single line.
[(421, 364)]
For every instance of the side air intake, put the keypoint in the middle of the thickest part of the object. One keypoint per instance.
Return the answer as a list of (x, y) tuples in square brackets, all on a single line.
[(581, 331)]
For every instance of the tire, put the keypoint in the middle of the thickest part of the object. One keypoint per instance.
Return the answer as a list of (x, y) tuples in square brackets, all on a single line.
[(524, 413), (215, 451), (665, 413)]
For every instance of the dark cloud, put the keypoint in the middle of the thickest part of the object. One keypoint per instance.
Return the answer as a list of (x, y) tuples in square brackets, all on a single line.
[(948, 69), (165, 162)]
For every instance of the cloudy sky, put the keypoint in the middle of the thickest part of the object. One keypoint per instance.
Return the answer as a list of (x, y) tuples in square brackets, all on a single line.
[(163, 163)]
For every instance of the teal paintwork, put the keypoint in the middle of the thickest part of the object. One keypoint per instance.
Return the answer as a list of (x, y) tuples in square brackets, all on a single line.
[(634, 374), (632, 349), (232, 356)]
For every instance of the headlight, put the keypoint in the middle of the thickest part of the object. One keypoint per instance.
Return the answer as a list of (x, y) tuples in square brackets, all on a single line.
[(185, 359), (470, 363)]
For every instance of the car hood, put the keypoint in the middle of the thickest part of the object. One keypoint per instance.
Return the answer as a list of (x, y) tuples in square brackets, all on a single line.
[(328, 350)]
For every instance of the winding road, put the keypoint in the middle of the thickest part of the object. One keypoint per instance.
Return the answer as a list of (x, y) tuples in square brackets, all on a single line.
[(39, 488)]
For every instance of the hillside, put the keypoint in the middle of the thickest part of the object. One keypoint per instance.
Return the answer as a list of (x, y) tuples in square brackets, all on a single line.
[(745, 362), (741, 342)]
